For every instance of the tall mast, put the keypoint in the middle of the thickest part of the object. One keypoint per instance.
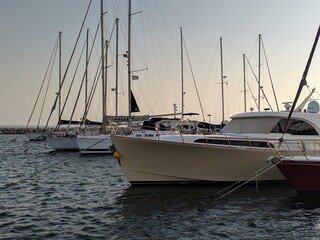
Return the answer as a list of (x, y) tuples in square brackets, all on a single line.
[(106, 75), (102, 67), (259, 67), (244, 83), (59, 112), (86, 83), (117, 55), (129, 58), (222, 80), (182, 83)]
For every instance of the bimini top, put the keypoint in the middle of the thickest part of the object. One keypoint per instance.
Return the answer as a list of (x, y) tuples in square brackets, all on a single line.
[(301, 123)]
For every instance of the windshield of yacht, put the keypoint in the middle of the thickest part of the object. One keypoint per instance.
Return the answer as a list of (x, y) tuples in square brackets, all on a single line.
[(251, 125), (268, 125)]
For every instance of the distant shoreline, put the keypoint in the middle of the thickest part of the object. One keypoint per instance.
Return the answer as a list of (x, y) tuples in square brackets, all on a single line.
[(19, 129)]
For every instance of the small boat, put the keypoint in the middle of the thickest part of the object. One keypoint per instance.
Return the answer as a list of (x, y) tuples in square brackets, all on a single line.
[(61, 141), (303, 172), (34, 136), (94, 144)]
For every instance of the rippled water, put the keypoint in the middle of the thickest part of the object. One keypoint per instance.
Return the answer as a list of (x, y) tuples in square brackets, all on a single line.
[(87, 197)]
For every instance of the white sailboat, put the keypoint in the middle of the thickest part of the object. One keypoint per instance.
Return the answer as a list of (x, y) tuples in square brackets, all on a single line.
[(61, 141), (102, 143), (99, 143), (65, 141)]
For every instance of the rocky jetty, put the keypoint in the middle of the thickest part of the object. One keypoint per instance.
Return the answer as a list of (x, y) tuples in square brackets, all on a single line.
[(21, 130)]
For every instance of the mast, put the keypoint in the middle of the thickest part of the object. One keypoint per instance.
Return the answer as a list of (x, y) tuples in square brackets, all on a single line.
[(244, 83), (222, 79), (102, 68), (59, 107), (129, 58), (106, 76), (86, 82), (117, 55), (182, 83), (259, 68)]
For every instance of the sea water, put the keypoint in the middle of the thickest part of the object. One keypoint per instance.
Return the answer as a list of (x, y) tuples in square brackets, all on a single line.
[(70, 196)]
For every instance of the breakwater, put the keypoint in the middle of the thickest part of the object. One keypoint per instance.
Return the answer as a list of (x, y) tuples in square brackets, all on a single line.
[(23, 130)]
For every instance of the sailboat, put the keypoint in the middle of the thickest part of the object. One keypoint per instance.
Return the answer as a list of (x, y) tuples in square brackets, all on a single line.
[(303, 170), (65, 141), (61, 141), (100, 143), (39, 134)]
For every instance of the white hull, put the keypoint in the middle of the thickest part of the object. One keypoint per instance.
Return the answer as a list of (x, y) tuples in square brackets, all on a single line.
[(63, 143), (35, 136), (94, 144), (154, 161), (239, 153)]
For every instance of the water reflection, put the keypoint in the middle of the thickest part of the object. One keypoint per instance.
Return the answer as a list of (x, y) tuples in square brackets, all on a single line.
[(305, 201), (183, 211)]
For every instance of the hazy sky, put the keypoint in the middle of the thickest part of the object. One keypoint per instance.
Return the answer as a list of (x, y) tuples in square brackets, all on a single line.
[(29, 30)]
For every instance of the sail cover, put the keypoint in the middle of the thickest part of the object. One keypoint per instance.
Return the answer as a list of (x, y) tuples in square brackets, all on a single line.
[(134, 106)]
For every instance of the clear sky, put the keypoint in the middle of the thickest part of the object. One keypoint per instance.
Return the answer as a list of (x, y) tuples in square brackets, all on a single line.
[(29, 30)]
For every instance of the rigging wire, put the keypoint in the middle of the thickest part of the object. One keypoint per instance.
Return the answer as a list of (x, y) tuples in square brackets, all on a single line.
[(95, 81), (303, 82), (46, 93), (263, 93), (143, 57), (65, 73), (70, 87), (166, 25), (261, 171), (83, 78), (207, 78), (274, 92), (309, 88), (172, 40), (158, 98), (252, 95), (193, 78), (45, 76)]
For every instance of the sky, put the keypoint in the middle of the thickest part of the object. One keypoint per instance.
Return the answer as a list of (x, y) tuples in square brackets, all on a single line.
[(29, 30)]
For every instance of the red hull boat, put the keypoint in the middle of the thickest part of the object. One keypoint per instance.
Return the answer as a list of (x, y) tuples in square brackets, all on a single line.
[(302, 172)]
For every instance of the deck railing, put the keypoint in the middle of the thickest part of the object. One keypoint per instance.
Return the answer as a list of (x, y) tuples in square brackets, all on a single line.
[(295, 147)]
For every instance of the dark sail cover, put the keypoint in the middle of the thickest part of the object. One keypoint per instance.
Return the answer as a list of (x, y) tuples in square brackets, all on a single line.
[(134, 106), (89, 122), (74, 122)]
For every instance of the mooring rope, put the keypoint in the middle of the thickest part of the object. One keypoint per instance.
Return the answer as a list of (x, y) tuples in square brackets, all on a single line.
[(249, 180)]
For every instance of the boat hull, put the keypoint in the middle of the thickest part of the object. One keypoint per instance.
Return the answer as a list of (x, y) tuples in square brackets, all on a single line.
[(35, 136), (94, 144), (145, 161), (303, 175), (63, 143)]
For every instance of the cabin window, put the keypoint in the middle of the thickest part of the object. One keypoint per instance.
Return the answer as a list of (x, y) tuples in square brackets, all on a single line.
[(245, 143), (296, 127), (251, 125)]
